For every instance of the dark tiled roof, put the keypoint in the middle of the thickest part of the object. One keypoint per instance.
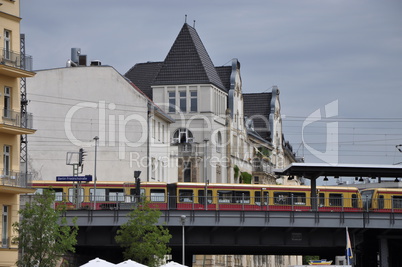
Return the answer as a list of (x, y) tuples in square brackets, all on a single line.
[(143, 74), (258, 107), (224, 73), (188, 62)]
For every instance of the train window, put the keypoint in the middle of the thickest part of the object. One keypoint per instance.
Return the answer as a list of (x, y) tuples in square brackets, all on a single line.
[(281, 198), (299, 198), (133, 191), (201, 197), (225, 196), (258, 198), (58, 193), (241, 197), (75, 195), (185, 195), (100, 194), (397, 202), (321, 199), (116, 195), (234, 196), (157, 195), (290, 198), (336, 200)]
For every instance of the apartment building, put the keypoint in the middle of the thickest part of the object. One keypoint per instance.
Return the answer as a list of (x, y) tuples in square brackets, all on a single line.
[(15, 125)]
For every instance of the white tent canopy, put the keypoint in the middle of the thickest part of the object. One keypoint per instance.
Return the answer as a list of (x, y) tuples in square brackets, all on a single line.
[(173, 264), (98, 263), (130, 263)]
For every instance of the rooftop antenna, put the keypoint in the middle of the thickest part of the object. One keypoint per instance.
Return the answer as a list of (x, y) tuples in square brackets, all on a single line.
[(185, 18), (194, 24)]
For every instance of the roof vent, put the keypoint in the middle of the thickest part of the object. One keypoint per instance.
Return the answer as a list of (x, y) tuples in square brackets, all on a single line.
[(96, 63), (75, 53), (82, 60)]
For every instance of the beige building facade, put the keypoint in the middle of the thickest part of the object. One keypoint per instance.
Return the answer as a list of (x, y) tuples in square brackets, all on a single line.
[(14, 124)]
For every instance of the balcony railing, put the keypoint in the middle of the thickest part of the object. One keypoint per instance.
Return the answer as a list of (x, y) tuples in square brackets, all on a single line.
[(16, 179), (13, 59), (262, 166), (18, 119)]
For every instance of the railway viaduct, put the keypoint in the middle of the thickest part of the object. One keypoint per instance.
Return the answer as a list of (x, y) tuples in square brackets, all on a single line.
[(376, 237)]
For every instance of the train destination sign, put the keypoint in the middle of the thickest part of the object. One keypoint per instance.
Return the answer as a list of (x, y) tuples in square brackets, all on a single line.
[(86, 178)]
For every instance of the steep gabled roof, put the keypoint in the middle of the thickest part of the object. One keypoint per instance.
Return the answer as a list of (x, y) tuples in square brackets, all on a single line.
[(143, 75), (188, 62), (224, 73), (257, 106)]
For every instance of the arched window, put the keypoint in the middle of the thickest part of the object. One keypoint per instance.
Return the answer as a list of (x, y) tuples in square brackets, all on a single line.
[(182, 136)]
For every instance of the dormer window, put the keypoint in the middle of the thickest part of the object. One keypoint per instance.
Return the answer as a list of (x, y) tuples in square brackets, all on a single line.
[(182, 136)]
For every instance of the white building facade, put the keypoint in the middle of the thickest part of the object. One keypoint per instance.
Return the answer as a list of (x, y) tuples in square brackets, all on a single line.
[(76, 106)]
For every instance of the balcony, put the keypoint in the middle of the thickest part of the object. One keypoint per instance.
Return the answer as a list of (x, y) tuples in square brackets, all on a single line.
[(260, 165), (188, 150), (14, 65), (16, 122), (15, 179)]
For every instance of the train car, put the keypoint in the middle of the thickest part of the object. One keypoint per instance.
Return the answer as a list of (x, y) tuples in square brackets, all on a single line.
[(191, 196), (337, 198), (109, 195), (382, 199), (262, 197)]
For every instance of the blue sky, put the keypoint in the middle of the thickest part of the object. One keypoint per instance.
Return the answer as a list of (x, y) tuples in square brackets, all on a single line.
[(315, 51)]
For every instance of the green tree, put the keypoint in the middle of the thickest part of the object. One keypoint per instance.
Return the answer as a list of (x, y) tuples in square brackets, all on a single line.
[(236, 172), (143, 240), (245, 178), (43, 235)]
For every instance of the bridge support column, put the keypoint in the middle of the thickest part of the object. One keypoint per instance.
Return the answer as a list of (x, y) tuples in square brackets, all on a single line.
[(384, 252)]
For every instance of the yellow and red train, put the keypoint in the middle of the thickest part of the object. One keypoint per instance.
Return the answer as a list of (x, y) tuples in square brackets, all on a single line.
[(191, 196)]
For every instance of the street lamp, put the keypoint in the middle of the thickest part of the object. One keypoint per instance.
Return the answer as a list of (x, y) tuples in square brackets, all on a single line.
[(96, 138), (183, 221)]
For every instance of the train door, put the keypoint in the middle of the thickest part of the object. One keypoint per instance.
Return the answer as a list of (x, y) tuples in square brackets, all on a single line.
[(321, 200), (76, 196), (172, 202), (201, 197), (367, 199)]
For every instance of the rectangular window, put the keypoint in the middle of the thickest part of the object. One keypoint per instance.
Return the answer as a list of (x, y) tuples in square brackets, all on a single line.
[(157, 195), (289, 198), (5, 226), (336, 200), (7, 102), (172, 101), (397, 202), (153, 129), (159, 131), (193, 101), (7, 160), (183, 101), (185, 195), (7, 44), (163, 133)]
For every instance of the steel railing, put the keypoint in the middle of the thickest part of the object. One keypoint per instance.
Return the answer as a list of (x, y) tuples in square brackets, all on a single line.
[(15, 179), (18, 119), (241, 203), (13, 59)]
